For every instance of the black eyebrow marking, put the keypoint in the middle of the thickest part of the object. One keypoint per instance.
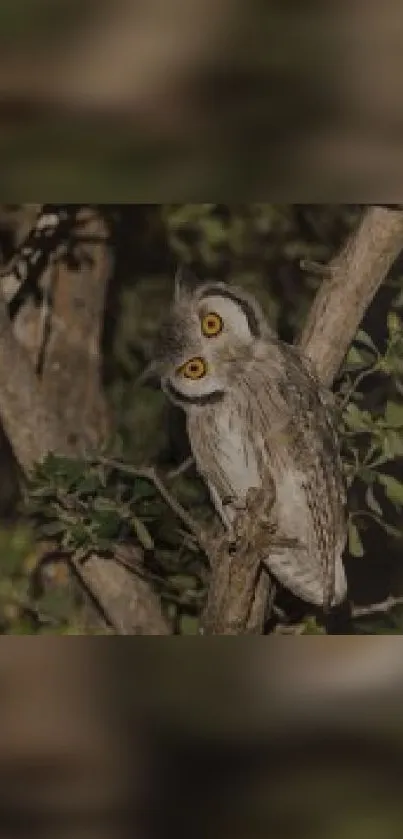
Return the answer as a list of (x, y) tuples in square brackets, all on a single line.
[(207, 399), (244, 305)]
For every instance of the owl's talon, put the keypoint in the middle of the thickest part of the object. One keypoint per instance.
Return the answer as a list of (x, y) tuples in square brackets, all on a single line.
[(239, 506), (236, 503), (252, 496)]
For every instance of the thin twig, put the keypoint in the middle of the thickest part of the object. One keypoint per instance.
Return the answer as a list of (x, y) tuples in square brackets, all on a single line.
[(149, 474), (381, 608), (180, 470), (76, 560), (170, 592), (289, 629), (357, 381), (316, 268)]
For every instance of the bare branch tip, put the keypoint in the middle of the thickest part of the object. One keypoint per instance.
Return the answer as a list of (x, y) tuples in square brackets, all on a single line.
[(316, 268)]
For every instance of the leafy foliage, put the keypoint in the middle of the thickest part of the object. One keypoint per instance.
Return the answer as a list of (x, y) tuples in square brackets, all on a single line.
[(92, 507), (373, 440)]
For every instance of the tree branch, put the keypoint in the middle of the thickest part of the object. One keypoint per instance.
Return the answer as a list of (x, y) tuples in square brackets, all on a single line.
[(133, 607), (31, 430), (347, 291), (381, 608), (149, 474), (240, 589)]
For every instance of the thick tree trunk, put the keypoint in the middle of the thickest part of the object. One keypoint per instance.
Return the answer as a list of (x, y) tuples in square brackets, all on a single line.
[(71, 376), (63, 409)]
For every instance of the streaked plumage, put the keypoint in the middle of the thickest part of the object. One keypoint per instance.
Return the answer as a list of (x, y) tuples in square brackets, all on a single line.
[(257, 416)]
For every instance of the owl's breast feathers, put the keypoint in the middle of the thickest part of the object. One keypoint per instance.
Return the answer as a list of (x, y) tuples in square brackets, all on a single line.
[(275, 426)]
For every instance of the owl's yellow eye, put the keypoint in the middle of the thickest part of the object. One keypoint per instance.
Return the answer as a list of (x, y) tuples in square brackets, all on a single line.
[(211, 324), (195, 368)]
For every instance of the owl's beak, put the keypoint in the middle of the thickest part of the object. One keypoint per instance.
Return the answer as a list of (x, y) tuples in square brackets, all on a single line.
[(228, 354)]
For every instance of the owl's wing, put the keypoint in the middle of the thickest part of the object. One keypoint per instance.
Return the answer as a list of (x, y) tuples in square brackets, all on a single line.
[(315, 451)]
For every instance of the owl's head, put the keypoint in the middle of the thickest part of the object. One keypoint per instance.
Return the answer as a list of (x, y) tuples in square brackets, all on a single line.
[(209, 335)]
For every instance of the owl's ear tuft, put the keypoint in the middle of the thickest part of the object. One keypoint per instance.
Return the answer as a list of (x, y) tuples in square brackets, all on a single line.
[(185, 282)]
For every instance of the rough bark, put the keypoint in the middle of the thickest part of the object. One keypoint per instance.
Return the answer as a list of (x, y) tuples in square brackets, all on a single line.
[(134, 609), (71, 374), (30, 428), (348, 287)]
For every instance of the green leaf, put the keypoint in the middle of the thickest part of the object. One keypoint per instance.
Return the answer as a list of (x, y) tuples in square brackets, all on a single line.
[(356, 419), (393, 488), (142, 533), (367, 474), (372, 503), (143, 489), (57, 604), (11, 563), (398, 301), (392, 442), (49, 465), (107, 524), (311, 627), (90, 483), (78, 533), (363, 338), (357, 359), (189, 625), (65, 470), (394, 323), (355, 545), (102, 504), (394, 414), (392, 363)]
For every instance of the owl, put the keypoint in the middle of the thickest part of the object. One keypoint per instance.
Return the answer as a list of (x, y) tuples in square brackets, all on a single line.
[(258, 419)]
